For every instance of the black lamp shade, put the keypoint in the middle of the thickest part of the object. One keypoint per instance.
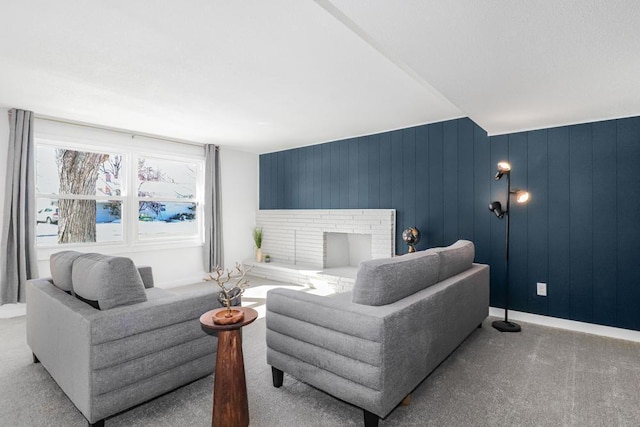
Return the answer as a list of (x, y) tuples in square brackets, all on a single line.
[(496, 208)]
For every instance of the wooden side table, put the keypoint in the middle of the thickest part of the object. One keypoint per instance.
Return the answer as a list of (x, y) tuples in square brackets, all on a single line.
[(230, 403)]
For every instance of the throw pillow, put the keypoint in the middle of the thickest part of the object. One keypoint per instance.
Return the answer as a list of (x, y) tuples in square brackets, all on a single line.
[(109, 281), (61, 266), (455, 259), (387, 280)]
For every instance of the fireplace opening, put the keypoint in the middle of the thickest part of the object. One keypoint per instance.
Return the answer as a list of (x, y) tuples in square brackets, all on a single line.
[(346, 249)]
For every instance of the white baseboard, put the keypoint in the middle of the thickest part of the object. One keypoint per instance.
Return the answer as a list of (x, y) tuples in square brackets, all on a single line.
[(571, 325)]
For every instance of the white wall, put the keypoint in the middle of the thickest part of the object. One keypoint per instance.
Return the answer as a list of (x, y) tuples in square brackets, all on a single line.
[(239, 199)]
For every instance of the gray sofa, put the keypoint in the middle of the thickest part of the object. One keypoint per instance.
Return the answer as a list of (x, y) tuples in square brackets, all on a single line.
[(139, 343), (371, 347)]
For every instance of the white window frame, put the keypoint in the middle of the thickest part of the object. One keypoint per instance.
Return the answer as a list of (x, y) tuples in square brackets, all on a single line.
[(131, 147)]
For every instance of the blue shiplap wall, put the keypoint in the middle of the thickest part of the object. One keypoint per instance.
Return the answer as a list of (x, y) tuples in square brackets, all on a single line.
[(579, 233)]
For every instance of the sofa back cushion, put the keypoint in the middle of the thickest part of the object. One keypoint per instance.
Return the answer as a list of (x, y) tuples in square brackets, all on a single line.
[(386, 280), (107, 281), (61, 264), (455, 259)]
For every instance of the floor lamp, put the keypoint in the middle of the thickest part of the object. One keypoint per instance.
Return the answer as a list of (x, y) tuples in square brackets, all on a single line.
[(504, 169)]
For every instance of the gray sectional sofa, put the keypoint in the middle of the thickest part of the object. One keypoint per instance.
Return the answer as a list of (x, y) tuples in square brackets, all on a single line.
[(139, 343), (371, 347)]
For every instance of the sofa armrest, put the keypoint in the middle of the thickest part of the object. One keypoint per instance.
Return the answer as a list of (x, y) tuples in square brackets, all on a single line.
[(58, 333), (334, 313)]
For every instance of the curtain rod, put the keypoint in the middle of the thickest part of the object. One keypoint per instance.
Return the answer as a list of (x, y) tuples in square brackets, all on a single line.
[(116, 130)]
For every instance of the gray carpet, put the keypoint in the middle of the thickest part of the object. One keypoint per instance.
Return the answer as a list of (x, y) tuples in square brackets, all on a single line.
[(540, 377)]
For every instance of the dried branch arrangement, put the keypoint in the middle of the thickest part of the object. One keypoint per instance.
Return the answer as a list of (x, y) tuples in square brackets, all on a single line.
[(237, 276)]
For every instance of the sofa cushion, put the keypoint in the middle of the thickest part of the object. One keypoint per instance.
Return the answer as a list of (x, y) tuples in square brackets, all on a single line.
[(111, 281), (455, 259), (386, 280), (61, 266), (146, 273)]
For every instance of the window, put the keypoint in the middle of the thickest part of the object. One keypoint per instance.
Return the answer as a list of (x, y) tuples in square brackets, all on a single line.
[(88, 194), (166, 197)]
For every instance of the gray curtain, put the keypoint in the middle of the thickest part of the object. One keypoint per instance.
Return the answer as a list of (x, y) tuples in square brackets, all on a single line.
[(213, 255), (18, 257)]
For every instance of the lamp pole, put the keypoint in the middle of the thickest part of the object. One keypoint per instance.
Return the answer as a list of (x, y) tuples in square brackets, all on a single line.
[(507, 227), (505, 325)]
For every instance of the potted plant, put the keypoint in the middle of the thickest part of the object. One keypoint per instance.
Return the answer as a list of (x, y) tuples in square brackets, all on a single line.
[(267, 258), (257, 239)]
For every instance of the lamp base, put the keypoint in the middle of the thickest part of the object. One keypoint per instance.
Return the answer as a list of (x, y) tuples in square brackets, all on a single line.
[(504, 326)]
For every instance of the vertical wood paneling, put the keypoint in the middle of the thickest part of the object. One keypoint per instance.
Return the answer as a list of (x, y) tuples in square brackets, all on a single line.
[(353, 174), (397, 198), (294, 175), (409, 177), (334, 175), (518, 262), (538, 218), (306, 180), (263, 190), (628, 212), (465, 179), (579, 233), (385, 171), (605, 224), (581, 212), (343, 171), (422, 220), (287, 182), (325, 178), (363, 172), (435, 173), (317, 176), (280, 179), (558, 291), (374, 165), (482, 172), (450, 182)]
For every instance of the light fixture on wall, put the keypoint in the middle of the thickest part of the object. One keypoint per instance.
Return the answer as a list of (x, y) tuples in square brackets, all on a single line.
[(521, 196)]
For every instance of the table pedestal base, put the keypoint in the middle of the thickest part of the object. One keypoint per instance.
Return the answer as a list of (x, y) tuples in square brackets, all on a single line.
[(230, 403)]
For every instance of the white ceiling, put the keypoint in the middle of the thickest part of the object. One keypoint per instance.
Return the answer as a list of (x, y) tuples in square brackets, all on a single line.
[(268, 75)]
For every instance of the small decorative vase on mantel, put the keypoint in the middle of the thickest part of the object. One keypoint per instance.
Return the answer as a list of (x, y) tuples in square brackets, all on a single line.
[(259, 254)]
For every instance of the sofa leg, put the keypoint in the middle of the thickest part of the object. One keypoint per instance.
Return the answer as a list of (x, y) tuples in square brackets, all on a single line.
[(277, 375), (370, 420), (480, 326), (35, 358), (99, 423)]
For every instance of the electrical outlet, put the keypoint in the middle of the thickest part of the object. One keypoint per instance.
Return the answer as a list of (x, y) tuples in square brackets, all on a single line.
[(541, 289)]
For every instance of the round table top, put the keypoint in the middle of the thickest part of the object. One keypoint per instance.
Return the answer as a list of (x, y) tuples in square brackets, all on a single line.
[(206, 320)]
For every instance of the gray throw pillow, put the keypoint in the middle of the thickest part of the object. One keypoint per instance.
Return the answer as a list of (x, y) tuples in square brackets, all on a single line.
[(109, 281), (387, 280), (61, 266), (455, 259)]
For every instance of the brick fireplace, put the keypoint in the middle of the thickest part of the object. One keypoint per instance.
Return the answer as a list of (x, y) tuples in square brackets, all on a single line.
[(323, 242)]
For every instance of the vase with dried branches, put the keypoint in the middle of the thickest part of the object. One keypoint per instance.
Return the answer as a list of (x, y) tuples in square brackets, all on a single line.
[(229, 294)]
